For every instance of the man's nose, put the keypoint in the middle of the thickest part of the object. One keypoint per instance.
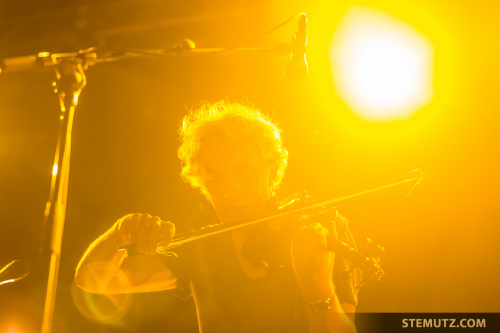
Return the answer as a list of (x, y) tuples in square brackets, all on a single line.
[(232, 188)]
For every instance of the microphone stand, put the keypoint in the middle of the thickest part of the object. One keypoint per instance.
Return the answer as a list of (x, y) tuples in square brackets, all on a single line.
[(70, 80)]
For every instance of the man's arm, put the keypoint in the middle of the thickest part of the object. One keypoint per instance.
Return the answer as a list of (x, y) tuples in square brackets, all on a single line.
[(313, 267), (104, 269), (349, 310)]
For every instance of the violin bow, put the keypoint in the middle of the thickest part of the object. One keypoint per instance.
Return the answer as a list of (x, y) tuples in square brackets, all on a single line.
[(211, 230)]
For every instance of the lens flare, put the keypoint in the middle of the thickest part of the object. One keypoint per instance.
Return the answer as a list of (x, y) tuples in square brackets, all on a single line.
[(101, 308), (382, 67)]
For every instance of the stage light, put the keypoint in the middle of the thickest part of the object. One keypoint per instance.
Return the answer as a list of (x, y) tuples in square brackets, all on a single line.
[(382, 67)]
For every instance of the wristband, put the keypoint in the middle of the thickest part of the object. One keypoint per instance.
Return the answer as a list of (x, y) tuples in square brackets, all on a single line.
[(320, 305)]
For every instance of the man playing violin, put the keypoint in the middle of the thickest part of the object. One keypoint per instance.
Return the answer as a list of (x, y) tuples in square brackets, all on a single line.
[(234, 155)]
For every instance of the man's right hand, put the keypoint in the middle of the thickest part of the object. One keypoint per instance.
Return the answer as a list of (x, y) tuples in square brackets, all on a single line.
[(144, 230)]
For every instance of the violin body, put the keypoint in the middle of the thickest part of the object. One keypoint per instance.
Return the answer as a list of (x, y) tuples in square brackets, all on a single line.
[(269, 243)]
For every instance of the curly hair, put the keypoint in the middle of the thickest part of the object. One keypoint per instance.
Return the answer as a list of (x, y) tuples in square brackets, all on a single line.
[(240, 123)]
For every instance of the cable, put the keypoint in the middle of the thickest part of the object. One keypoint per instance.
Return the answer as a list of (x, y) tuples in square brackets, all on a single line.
[(174, 49), (259, 36)]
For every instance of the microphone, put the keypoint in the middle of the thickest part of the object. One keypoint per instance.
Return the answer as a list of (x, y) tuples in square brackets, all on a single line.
[(296, 67)]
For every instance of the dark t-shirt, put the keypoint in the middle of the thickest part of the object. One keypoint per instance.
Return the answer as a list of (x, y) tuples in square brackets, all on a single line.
[(229, 301)]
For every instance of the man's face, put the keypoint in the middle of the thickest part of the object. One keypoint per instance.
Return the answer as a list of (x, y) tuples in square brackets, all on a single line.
[(236, 177)]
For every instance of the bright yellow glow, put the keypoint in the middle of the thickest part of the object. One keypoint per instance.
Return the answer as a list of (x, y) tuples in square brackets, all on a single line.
[(12, 329), (54, 170), (382, 67)]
